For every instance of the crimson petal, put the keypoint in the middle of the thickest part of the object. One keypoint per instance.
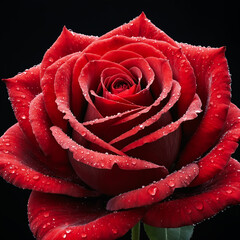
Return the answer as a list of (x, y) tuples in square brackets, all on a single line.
[(217, 158), (209, 199), (53, 217), (108, 173), (22, 89), (213, 82), (154, 192), (67, 43), (56, 157), (191, 113), (47, 85), (20, 164), (140, 27)]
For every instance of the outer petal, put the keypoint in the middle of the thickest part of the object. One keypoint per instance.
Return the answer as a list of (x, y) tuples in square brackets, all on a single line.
[(154, 192), (213, 83), (68, 42), (55, 157), (20, 164), (140, 27), (22, 89), (190, 114), (199, 204), (217, 158), (108, 173), (54, 217), (47, 85)]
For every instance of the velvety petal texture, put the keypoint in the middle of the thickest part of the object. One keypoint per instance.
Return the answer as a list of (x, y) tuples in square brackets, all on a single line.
[(127, 127)]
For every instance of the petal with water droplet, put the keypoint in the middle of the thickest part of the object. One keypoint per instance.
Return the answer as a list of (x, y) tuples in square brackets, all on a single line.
[(194, 206), (77, 218), (156, 191), (21, 165), (25, 84)]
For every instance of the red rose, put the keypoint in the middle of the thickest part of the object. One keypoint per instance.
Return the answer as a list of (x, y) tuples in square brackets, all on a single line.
[(122, 128)]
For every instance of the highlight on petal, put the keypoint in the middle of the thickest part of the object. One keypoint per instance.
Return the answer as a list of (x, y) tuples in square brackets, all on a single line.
[(22, 89), (199, 203), (21, 165), (156, 191), (55, 217)]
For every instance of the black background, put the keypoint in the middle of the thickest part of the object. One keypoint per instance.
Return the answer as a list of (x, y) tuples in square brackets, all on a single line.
[(28, 28)]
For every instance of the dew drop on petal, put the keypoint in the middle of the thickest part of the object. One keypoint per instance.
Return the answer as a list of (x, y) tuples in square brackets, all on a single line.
[(115, 231), (36, 177), (83, 235), (229, 191), (199, 206), (152, 190), (171, 184), (46, 214)]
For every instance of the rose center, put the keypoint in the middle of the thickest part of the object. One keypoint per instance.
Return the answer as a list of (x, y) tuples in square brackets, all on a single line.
[(119, 85)]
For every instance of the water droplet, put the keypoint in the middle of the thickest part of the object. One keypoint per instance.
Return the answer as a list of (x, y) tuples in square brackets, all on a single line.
[(219, 96), (189, 211), (68, 231), (152, 190), (141, 126), (134, 162), (64, 235), (36, 177), (199, 206), (229, 191), (83, 235), (23, 117), (115, 231), (171, 184), (45, 225), (50, 59), (46, 214)]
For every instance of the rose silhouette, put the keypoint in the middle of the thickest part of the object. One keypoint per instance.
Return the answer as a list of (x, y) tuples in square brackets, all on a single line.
[(121, 128)]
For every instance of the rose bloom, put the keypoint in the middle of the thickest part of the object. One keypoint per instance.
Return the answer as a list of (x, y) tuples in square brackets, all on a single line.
[(120, 128)]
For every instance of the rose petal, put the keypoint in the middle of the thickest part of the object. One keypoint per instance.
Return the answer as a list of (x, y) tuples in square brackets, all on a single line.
[(109, 107), (143, 49), (47, 85), (209, 199), (161, 86), (190, 114), (218, 157), (22, 89), (60, 217), (63, 103), (140, 27), (77, 99), (20, 164), (214, 87), (110, 174), (156, 191), (174, 96), (90, 79), (56, 158), (67, 43), (118, 56)]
